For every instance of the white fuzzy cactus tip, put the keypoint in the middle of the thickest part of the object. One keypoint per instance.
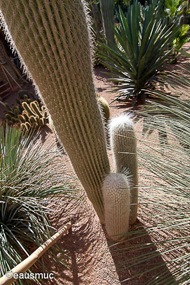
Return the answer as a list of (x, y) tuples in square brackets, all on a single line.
[(121, 122)]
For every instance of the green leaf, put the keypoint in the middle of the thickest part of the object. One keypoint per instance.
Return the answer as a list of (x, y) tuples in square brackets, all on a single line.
[(144, 42)]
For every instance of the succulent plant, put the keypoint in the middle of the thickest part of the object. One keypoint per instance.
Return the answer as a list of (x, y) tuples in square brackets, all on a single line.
[(11, 115), (26, 114), (32, 117), (124, 148), (57, 37), (116, 193), (104, 107), (58, 56)]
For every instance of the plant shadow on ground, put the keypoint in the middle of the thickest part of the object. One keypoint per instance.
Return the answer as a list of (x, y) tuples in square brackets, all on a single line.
[(137, 259), (86, 248)]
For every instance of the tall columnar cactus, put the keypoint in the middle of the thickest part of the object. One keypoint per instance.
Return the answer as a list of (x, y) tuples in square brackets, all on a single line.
[(116, 193), (52, 40), (107, 11), (123, 145)]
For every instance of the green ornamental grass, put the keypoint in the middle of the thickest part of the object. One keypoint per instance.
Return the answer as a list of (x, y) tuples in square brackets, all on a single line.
[(158, 248), (32, 177)]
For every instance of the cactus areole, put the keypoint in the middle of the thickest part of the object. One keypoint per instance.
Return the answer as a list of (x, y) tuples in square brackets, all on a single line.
[(52, 40)]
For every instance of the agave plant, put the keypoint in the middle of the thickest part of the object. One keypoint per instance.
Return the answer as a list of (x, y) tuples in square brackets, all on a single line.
[(31, 177), (143, 45)]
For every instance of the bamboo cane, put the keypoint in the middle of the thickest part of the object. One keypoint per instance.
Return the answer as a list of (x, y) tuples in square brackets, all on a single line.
[(30, 260)]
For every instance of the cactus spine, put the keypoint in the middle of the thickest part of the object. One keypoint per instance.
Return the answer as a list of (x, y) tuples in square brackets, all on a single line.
[(123, 145), (116, 193), (53, 40)]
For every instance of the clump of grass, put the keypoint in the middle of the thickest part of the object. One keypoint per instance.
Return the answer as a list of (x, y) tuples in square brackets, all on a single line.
[(32, 176), (158, 248)]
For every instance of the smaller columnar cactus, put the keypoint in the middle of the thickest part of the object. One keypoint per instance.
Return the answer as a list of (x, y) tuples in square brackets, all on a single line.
[(11, 115), (104, 107), (32, 116), (116, 194), (123, 145)]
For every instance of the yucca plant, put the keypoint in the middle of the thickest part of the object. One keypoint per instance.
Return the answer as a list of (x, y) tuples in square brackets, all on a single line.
[(158, 249), (30, 172), (143, 45)]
